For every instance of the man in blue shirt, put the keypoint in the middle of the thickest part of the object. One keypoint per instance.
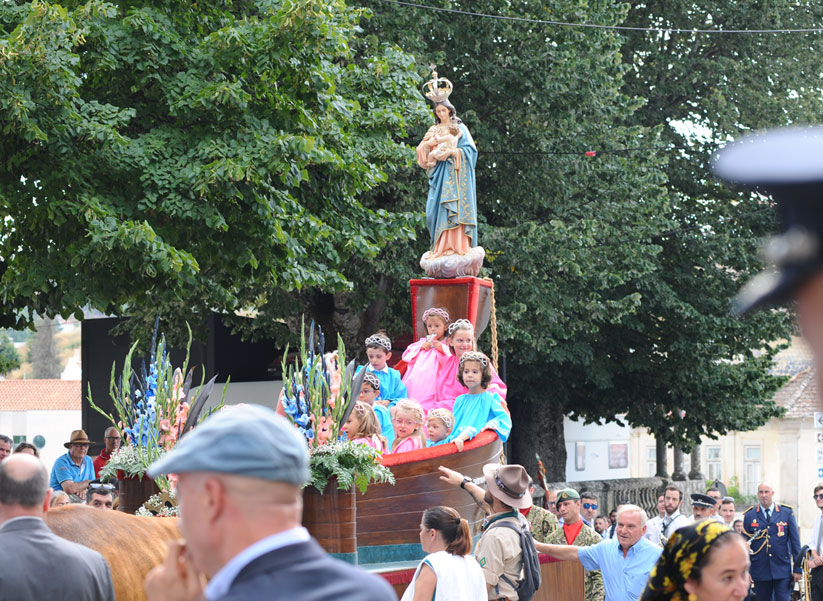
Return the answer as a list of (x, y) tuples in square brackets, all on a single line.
[(625, 561), (73, 471)]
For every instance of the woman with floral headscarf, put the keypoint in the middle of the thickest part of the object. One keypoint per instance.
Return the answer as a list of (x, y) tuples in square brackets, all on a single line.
[(707, 561)]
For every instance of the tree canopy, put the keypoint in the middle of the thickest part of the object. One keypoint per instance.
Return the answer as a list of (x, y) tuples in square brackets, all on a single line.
[(177, 158)]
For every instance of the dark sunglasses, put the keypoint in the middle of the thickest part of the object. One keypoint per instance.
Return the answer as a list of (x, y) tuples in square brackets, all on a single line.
[(816, 497), (590, 505)]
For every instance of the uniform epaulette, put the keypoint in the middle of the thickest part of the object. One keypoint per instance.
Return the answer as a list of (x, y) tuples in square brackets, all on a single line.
[(784, 505), (748, 509)]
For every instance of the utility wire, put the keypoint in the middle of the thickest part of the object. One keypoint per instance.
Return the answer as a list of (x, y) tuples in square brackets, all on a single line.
[(595, 26)]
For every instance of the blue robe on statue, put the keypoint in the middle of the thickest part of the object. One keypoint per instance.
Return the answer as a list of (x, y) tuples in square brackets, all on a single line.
[(452, 200), (476, 411)]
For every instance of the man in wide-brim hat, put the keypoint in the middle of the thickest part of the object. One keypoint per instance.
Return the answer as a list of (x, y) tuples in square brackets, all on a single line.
[(73, 471), (498, 551)]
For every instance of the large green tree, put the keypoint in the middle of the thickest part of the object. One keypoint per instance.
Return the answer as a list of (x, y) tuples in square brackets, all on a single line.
[(569, 237), (615, 273), (690, 354), (176, 157)]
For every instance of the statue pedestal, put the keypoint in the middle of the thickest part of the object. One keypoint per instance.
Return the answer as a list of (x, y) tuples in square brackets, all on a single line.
[(454, 266), (464, 298)]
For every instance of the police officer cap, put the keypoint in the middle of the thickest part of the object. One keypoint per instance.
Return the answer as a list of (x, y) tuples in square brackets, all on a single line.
[(786, 164), (702, 500), (244, 440)]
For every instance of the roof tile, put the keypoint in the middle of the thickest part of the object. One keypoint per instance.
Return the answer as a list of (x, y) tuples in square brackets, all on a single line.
[(40, 395)]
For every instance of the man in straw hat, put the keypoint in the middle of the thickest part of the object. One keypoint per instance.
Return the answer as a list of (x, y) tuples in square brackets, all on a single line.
[(240, 479), (787, 165), (73, 471)]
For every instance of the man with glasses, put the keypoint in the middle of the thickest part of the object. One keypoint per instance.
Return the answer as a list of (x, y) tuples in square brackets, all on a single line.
[(100, 496), (714, 493), (73, 471), (588, 509), (575, 532), (816, 547), (112, 441)]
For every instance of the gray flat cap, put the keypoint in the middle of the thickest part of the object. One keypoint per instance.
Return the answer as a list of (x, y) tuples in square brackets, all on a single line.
[(245, 440)]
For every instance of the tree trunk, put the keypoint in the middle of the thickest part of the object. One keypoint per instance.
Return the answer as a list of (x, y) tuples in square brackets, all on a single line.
[(538, 428)]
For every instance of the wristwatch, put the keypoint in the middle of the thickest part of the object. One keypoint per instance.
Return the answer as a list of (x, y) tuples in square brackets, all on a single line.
[(465, 481)]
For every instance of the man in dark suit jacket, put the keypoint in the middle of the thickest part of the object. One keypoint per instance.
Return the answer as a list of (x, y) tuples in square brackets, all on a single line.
[(774, 543), (240, 478), (36, 563)]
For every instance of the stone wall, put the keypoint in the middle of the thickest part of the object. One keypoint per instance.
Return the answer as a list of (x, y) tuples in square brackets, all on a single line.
[(638, 491)]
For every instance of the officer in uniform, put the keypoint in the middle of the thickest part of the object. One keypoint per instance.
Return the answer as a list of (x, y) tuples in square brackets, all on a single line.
[(787, 165), (774, 543)]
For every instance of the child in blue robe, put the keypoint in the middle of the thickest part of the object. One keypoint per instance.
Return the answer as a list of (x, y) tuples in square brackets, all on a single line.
[(378, 350), (369, 391), (479, 409)]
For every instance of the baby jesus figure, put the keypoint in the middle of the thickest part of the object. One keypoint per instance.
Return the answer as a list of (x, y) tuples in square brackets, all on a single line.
[(446, 142)]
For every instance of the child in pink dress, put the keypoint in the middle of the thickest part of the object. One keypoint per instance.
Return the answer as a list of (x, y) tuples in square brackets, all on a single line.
[(424, 356), (461, 340), (362, 427), (408, 427)]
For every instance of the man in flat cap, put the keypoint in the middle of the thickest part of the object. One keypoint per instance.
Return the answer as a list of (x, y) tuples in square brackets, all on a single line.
[(575, 532), (240, 478), (787, 165)]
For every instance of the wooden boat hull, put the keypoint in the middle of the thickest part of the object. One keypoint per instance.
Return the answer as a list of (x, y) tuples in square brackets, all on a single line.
[(388, 516)]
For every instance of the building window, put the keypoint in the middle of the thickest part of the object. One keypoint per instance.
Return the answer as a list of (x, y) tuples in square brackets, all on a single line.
[(579, 456), (751, 469), (714, 463), (618, 455), (651, 461)]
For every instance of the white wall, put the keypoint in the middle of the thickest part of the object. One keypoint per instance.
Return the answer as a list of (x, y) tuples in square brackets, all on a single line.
[(259, 393), (596, 441), (54, 426)]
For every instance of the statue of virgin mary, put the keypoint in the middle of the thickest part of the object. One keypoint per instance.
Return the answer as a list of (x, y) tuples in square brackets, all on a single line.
[(449, 155)]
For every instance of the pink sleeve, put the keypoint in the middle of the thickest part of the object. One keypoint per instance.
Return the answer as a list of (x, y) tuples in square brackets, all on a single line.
[(497, 386), (410, 354)]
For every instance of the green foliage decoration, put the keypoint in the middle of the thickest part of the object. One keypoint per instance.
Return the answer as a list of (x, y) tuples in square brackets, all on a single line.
[(351, 464)]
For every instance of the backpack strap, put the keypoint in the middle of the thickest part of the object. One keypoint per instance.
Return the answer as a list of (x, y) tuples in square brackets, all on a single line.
[(517, 529)]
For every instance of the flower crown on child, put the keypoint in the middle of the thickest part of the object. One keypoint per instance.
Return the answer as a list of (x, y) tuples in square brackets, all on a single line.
[(438, 311), (460, 324), (372, 380), (410, 407), (444, 415), (379, 340), (475, 356)]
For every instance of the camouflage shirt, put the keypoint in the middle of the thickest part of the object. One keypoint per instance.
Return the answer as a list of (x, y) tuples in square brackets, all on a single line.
[(593, 582), (542, 523)]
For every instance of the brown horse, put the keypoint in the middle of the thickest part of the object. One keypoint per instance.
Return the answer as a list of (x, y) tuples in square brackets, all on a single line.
[(132, 545)]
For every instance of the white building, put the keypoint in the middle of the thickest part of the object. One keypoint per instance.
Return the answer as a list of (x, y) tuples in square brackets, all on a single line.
[(42, 412)]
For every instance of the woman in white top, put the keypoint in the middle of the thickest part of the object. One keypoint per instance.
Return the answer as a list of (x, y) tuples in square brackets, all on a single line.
[(448, 572)]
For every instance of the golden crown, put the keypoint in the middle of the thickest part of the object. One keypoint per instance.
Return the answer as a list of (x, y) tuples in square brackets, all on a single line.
[(437, 89)]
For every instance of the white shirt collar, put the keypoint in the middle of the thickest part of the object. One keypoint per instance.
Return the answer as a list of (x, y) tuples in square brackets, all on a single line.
[(385, 370), (221, 583), (770, 508)]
